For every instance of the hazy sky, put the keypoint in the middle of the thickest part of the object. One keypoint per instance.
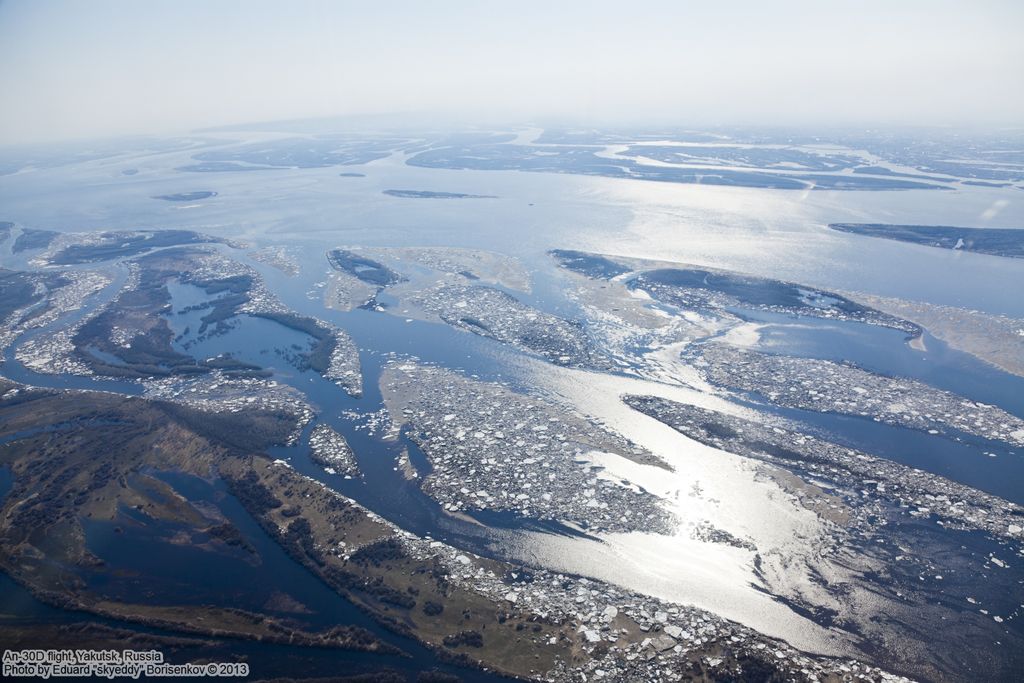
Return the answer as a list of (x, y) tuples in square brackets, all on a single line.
[(73, 69)]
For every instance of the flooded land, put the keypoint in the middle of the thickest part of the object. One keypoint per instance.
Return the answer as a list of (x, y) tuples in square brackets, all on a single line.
[(657, 410)]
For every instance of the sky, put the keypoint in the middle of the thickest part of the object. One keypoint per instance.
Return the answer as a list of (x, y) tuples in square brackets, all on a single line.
[(74, 69)]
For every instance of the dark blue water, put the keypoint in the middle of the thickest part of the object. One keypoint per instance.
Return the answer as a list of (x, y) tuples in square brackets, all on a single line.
[(885, 351), (6, 481), (201, 576), (991, 466), (266, 660)]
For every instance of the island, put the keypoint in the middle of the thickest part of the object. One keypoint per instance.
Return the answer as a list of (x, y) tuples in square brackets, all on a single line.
[(1008, 242), (427, 194), (186, 196)]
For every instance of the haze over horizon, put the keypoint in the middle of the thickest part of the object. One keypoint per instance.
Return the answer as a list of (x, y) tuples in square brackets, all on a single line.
[(77, 70)]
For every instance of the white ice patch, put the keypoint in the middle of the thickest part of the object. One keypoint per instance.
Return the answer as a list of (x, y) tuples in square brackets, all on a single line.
[(746, 335)]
